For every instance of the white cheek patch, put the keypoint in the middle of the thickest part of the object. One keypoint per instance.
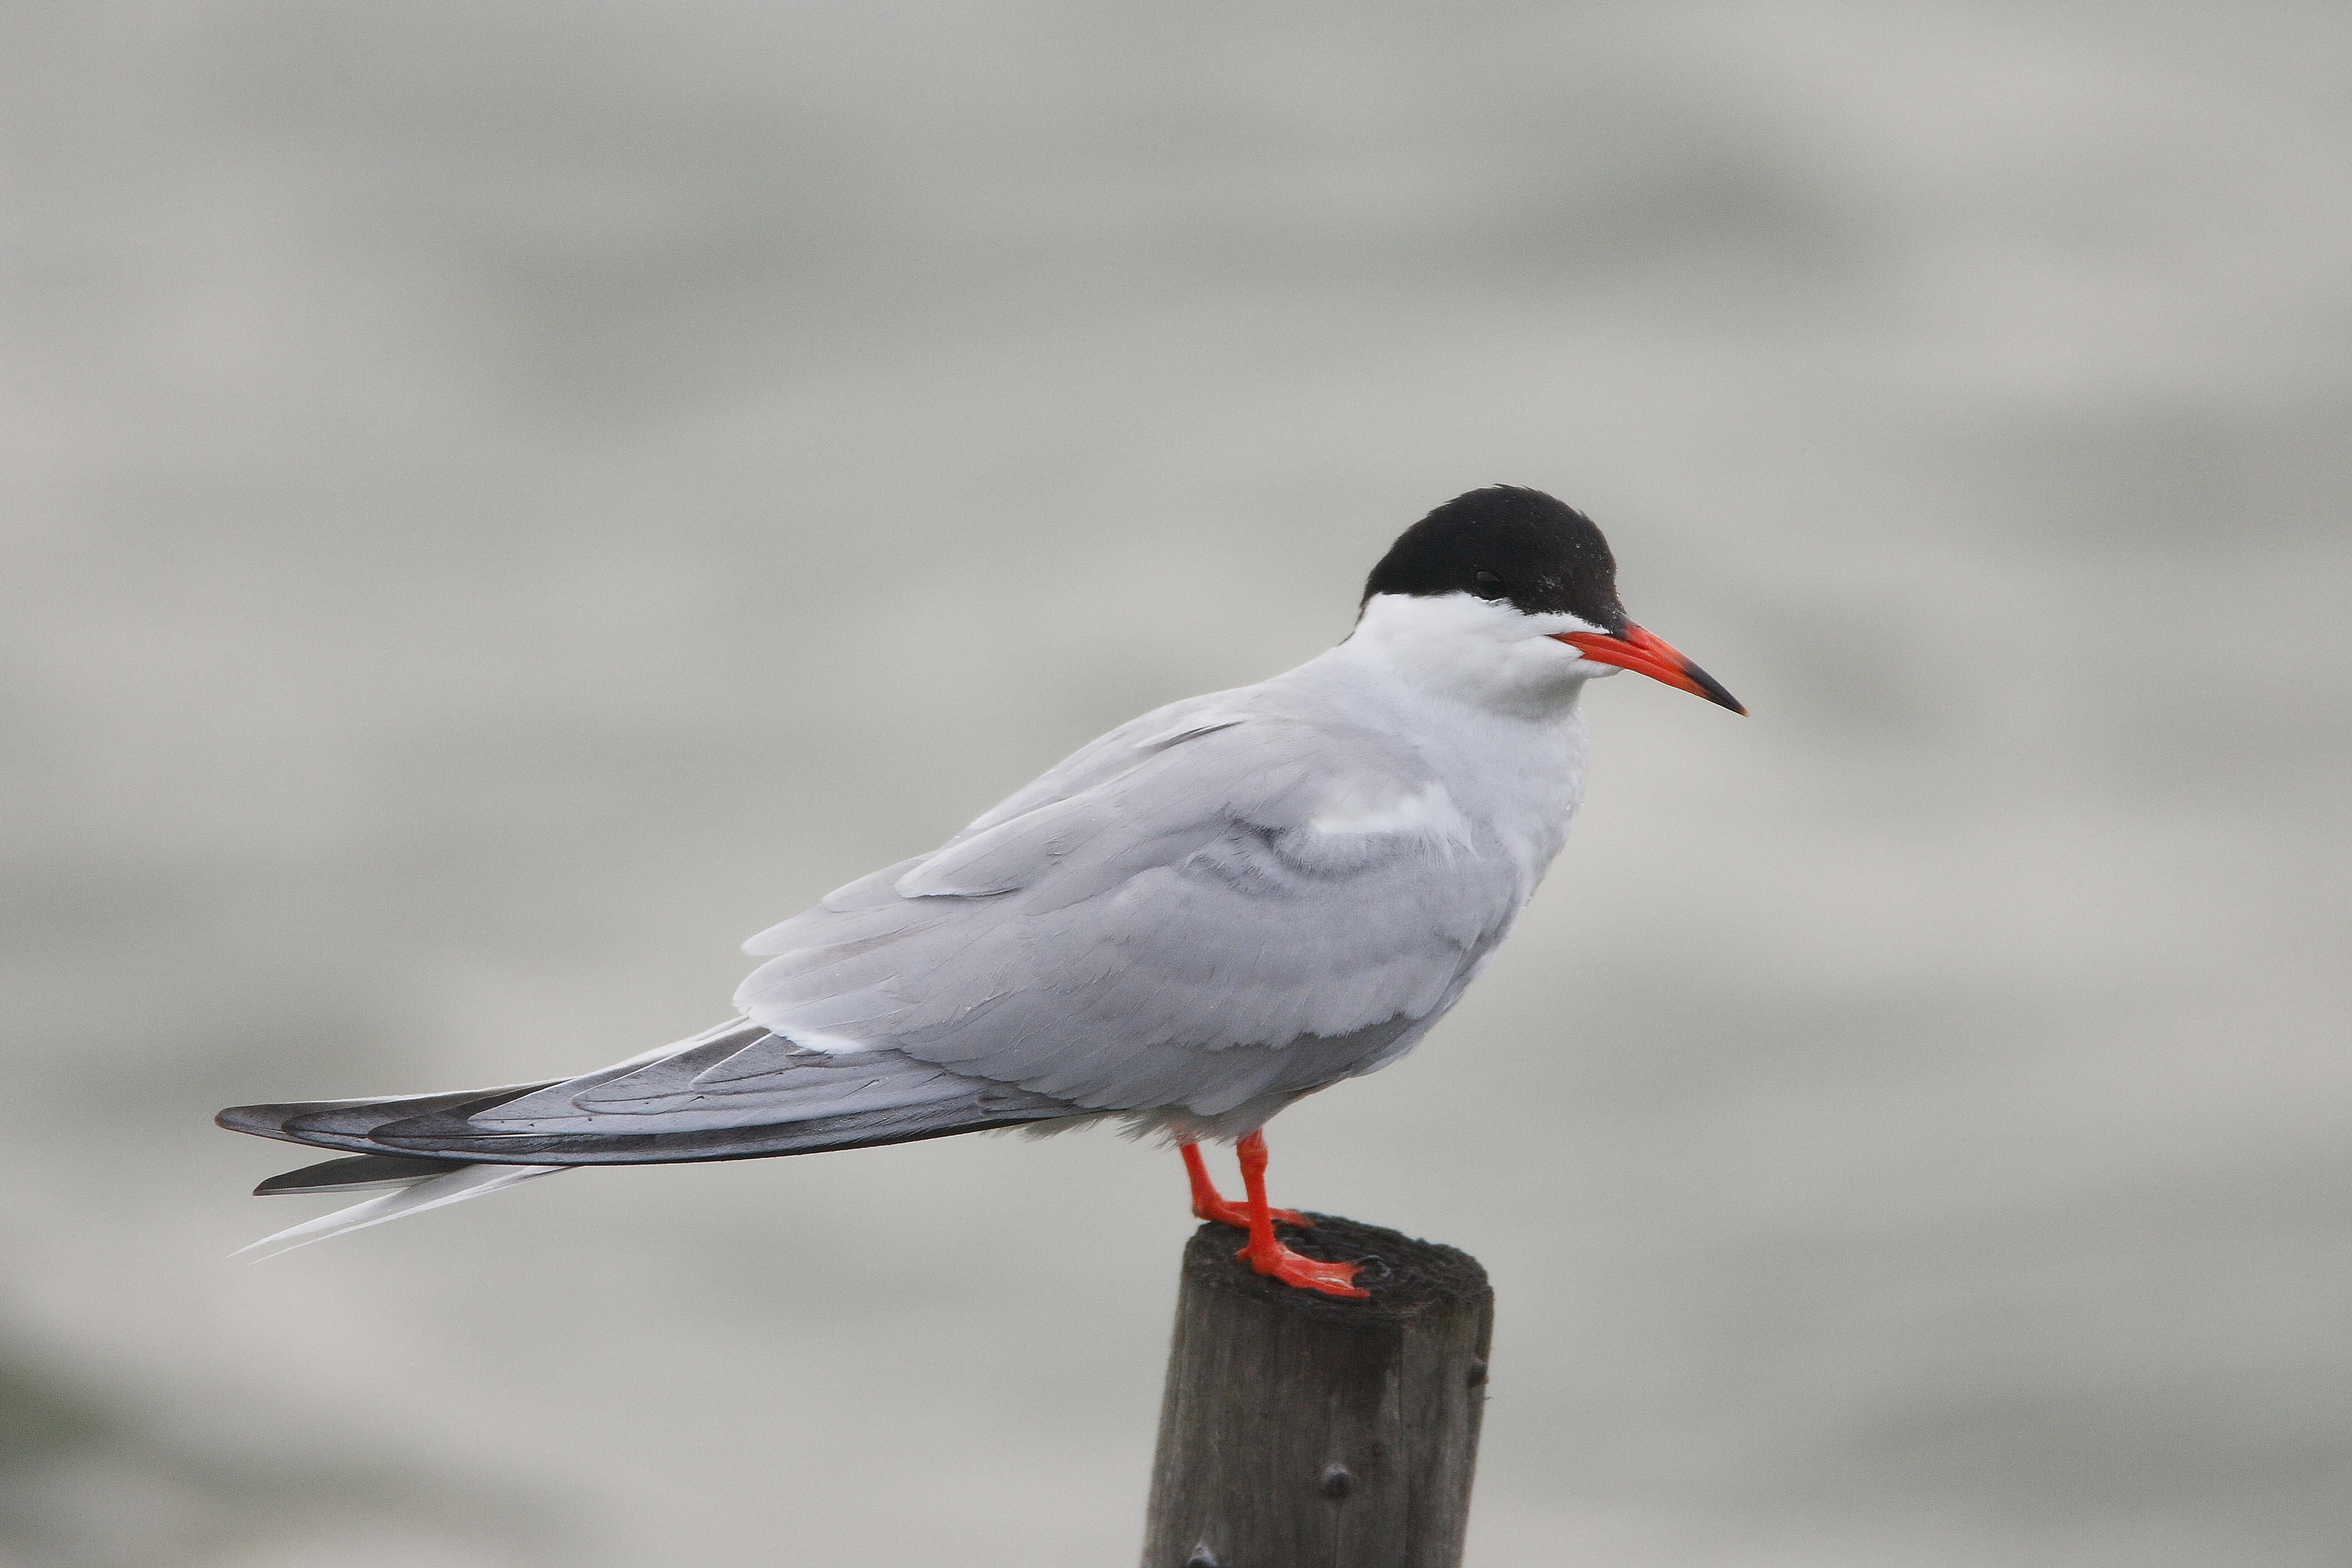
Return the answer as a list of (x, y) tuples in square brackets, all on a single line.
[(1481, 652), (1356, 811)]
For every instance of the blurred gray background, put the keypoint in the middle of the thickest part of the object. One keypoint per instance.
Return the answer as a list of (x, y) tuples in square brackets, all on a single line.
[(505, 500)]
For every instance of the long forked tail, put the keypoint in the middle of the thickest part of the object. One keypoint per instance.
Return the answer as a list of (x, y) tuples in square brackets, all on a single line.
[(414, 1190), (735, 1092)]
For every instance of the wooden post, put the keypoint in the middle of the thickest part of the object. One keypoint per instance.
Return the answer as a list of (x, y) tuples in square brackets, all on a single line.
[(1300, 1430)]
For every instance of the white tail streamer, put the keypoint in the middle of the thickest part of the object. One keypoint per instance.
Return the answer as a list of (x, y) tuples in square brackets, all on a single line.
[(431, 1193)]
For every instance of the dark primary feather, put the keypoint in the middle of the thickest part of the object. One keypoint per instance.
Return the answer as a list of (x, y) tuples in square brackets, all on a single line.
[(442, 1124), (356, 1172)]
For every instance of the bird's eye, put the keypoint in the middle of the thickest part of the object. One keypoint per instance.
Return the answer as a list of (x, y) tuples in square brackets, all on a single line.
[(1486, 586)]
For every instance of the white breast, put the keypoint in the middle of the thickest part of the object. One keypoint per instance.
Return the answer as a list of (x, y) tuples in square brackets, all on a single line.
[(1504, 779)]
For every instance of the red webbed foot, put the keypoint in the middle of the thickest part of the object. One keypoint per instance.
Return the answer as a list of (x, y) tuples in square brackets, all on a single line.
[(1306, 1273), (1265, 1253)]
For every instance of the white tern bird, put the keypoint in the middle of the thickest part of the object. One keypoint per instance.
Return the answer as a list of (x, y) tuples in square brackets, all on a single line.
[(1223, 906)]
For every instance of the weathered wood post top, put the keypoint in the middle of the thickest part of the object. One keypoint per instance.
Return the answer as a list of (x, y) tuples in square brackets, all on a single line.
[(1300, 1430)]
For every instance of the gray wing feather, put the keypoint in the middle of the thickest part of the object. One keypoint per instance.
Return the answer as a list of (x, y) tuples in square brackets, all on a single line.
[(744, 1077), (1166, 926)]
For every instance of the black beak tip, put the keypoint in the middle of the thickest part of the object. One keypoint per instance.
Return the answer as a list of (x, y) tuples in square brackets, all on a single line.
[(1714, 689)]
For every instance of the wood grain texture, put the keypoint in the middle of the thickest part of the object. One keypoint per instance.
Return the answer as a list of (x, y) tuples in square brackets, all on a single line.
[(1302, 1431)]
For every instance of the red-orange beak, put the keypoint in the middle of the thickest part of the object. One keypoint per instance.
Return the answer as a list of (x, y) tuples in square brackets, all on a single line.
[(1644, 653)]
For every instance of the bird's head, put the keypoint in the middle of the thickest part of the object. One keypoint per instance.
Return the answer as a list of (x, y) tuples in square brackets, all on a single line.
[(1509, 598)]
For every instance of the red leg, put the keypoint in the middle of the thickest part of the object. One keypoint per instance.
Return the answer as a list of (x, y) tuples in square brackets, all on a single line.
[(1209, 1203), (1268, 1256)]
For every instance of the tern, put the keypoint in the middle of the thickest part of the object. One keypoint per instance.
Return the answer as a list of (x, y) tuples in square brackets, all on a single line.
[(1212, 911)]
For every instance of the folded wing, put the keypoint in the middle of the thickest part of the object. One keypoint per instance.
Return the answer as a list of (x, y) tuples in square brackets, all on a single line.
[(1213, 910)]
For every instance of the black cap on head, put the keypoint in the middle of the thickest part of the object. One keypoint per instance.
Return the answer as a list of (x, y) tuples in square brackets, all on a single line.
[(1505, 542)]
